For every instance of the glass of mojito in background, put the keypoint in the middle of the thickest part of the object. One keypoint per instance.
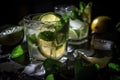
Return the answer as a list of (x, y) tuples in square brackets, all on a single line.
[(79, 20), (46, 35)]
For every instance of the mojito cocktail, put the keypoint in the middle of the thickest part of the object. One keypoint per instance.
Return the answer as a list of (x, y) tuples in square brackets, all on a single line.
[(47, 34)]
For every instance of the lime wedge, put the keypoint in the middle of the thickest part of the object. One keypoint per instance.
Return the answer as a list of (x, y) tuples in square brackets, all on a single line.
[(49, 50), (17, 51), (49, 17), (11, 35), (72, 34)]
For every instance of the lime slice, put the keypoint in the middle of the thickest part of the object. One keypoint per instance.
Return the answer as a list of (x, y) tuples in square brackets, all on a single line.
[(48, 49), (17, 52), (72, 34), (12, 35), (49, 17)]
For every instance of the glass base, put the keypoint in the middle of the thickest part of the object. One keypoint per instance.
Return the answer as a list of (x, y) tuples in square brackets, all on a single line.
[(77, 41)]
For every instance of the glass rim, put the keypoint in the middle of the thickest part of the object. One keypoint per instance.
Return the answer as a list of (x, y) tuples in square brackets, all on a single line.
[(33, 18)]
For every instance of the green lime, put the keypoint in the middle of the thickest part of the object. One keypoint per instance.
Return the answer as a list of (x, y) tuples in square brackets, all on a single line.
[(11, 35), (50, 51), (72, 34), (17, 51)]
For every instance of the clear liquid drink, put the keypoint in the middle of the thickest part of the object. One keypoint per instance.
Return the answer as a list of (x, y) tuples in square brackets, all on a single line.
[(46, 38)]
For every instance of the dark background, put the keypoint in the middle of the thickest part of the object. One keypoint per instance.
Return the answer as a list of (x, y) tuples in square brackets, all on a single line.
[(12, 11)]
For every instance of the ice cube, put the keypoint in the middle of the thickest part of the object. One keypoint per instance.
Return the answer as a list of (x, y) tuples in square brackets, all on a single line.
[(103, 44), (34, 69), (31, 31), (76, 24), (30, 68), (61, 9)]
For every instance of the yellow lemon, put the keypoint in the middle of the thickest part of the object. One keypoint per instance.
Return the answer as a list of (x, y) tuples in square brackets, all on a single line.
[(101, 24)]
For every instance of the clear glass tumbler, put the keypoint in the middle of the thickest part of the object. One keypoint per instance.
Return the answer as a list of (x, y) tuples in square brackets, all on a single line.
[(45, 39), (79, 21)]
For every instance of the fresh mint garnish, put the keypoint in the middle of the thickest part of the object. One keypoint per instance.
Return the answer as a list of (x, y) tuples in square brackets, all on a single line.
[(114, 66), (73, 15), (82, 7), (58, 26), (32, 38), (52, 66), (65, 17), (47, 35), (50, 77)]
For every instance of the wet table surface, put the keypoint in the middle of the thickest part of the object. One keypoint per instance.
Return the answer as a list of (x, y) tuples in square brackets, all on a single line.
[(12, 69)]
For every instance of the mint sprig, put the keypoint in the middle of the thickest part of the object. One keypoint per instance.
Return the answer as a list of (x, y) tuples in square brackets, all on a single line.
[(114, 66), (50, 77), (82, 7), (65, 17), (47, 35)]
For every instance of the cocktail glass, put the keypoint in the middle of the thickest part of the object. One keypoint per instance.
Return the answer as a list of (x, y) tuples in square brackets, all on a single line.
[(45, 39), (79, 20)]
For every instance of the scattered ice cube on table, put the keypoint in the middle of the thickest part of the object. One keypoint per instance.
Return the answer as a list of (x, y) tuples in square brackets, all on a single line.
[(102, 44), (34, 69)]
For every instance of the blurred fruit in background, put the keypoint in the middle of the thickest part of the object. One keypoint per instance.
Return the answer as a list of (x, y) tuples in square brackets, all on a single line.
[(101, 24)]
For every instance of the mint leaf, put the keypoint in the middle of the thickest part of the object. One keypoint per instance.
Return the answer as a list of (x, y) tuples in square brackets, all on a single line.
[(114, 66), (52, 66), (82, 6), (32, 38), (65, 17), (73, 15), (50, 77), (83, 70), (58, 26), (47, 35)]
